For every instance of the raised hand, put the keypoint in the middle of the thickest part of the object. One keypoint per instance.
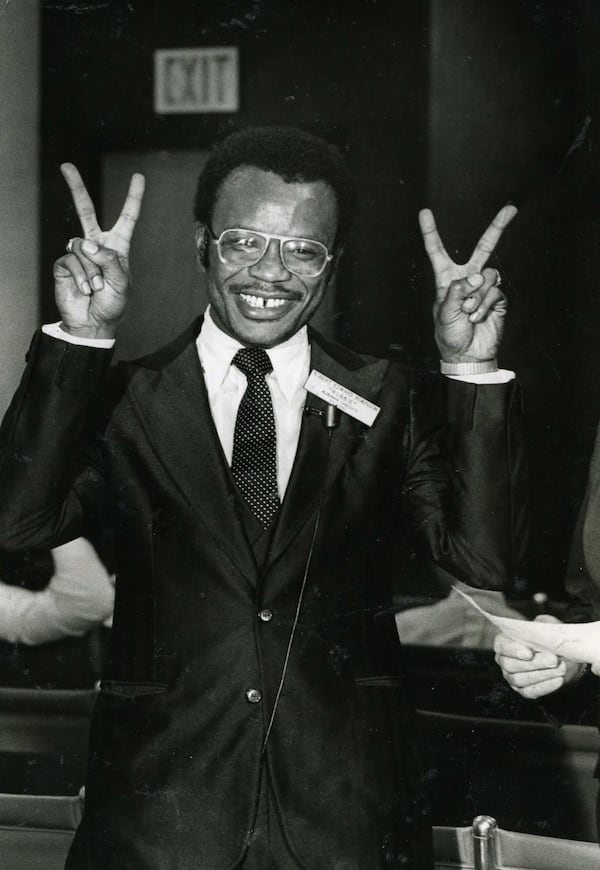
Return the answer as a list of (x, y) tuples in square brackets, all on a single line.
[(92, 278), (469, 307)]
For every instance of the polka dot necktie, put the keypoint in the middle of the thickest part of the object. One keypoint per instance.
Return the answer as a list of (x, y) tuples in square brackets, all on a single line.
[(254, 459)]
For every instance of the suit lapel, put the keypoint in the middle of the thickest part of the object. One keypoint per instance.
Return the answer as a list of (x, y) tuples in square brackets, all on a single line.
[(321, 456), (186, 442)]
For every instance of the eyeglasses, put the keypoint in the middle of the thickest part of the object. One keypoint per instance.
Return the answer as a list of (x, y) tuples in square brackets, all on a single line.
[(306, 258)]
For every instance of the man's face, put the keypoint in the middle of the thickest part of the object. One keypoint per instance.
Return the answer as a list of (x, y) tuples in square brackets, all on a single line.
[(253, 199)]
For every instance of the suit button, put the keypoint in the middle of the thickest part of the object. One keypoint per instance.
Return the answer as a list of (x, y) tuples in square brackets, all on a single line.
[(254, 696), (265, 615)]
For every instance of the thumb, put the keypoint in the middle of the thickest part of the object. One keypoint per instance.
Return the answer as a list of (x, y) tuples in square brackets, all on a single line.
[(455, 295), (113, 265)]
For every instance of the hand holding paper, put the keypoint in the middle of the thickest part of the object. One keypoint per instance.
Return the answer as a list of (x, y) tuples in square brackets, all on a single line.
[(579, 642), (539, 657)]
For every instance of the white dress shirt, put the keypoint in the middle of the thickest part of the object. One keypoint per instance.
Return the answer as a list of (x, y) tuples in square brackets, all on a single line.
[(226, 385)]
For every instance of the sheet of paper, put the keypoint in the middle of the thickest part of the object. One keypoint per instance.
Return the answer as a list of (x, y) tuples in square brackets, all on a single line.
[(579, 642)]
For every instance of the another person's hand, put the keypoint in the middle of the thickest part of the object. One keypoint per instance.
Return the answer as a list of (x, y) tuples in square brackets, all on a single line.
[(469, 307), (92, 278), (530, 673)]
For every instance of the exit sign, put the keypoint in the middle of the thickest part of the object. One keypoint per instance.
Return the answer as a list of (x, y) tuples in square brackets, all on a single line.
[(188, 80)]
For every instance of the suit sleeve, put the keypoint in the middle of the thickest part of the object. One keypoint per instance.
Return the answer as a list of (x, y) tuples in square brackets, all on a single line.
[(465, 484), (44, 478), (582, 580)]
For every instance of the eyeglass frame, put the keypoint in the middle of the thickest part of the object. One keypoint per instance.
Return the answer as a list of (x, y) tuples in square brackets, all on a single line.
[(269, 236)]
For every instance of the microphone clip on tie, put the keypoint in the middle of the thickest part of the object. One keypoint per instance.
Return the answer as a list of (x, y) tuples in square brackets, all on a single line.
[(330, 415)]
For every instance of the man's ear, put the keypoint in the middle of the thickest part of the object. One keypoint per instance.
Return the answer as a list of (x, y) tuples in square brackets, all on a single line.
[(333, 266), (202, 242)]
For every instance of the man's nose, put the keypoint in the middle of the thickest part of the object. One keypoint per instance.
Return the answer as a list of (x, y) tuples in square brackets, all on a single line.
[(270, 266)]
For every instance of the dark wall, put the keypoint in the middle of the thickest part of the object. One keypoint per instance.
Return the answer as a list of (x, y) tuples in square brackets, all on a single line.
[(460, 106), (355, 74)]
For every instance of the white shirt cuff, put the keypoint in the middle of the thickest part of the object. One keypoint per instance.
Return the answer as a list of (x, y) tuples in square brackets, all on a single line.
[(54, 330), (502, 376)]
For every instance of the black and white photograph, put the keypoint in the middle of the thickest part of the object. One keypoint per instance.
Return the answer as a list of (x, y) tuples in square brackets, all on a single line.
[(299, 463)]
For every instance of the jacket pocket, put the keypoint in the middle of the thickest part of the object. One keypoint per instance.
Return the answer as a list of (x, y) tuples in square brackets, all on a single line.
[(126, 689), (384, 681)]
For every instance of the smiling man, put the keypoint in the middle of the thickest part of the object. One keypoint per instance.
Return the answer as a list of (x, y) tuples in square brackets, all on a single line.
[(265, 285), (255, 478)]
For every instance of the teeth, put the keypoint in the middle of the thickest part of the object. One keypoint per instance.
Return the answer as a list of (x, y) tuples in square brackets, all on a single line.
[(261, 302)]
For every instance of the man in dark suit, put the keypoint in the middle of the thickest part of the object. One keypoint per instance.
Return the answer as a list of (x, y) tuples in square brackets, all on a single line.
[(253, 714)]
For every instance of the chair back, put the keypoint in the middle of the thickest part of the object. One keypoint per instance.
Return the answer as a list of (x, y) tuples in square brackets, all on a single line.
[(36, 830)]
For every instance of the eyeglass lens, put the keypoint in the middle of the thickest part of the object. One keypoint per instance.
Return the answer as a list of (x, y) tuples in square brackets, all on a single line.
[(300, 256)]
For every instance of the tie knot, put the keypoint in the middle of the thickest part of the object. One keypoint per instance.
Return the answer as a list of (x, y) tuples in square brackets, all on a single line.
[(253, 362)]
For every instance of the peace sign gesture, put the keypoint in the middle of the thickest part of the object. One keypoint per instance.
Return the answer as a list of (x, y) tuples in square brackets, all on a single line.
[(92, 278), (469, 307)]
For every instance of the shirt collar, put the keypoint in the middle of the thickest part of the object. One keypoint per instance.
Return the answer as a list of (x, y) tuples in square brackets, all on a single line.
[(290, 359)]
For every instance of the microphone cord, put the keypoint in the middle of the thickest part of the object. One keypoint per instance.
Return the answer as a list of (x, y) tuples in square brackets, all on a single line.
[(330, 420)]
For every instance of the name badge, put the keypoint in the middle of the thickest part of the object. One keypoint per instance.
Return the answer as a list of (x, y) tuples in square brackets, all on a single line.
[(342, 398)]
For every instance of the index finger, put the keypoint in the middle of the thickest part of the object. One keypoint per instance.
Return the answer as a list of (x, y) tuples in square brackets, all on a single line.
[(431, 238), (491, 237), (130, 212), (81, 200)]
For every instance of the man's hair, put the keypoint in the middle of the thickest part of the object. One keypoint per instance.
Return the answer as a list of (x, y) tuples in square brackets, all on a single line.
[(293, 154)]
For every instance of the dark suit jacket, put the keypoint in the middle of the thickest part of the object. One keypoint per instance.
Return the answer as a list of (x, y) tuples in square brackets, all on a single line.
[(583, 567), (175, 745)]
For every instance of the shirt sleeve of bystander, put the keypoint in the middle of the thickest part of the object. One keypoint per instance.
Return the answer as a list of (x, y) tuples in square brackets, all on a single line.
[(79, 596)]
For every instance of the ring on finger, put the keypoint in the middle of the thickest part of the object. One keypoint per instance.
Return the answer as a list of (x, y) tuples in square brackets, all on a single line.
[(70, 246)]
